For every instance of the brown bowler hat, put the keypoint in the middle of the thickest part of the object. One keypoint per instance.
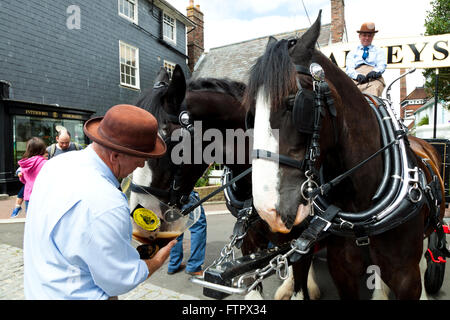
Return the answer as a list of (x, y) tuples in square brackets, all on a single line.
[(367, 27), (127, 129)]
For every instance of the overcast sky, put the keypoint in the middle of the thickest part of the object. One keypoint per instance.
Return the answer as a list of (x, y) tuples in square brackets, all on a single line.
[(231, 21)]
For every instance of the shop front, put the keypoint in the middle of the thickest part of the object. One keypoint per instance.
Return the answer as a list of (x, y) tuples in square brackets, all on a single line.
[(21, 120)]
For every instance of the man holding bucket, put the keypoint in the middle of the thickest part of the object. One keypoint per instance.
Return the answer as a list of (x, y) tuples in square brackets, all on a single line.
[(77, 241)]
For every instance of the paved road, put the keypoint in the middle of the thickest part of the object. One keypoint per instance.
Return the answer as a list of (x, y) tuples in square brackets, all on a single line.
[(161, 285)]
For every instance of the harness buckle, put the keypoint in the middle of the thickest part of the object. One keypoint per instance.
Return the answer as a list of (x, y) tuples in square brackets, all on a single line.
[(327, 223), (363, 241), (345, 222), (300, 246)]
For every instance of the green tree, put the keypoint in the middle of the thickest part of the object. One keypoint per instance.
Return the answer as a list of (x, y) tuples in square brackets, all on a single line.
[(437, 21), (424, 121)]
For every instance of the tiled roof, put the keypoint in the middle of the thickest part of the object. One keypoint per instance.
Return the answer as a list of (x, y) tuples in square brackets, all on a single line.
[(417, 93), (234, 61)]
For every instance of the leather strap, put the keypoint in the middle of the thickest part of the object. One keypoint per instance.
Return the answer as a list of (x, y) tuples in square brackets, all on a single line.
[(318, 225), (267, 155)]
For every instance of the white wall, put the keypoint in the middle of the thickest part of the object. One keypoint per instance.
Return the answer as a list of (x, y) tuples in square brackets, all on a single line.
[(442, 124)]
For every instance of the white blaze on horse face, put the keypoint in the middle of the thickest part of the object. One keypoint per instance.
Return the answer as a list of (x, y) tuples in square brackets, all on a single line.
[(265, 173), (142, 177), (265, 177)]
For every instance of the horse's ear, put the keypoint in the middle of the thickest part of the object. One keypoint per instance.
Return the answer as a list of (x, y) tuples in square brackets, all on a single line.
[(163, 76), (177, 87), (312, 34), (303, 50), (271, 41)]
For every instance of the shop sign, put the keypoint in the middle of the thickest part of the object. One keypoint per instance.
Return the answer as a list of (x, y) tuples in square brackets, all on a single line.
[(409, 52)]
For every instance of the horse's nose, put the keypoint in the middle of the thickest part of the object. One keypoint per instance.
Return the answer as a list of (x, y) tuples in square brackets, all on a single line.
[(273, 219)]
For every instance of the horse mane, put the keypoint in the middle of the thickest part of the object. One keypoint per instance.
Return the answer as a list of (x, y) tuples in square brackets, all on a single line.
[(232, 88), (273, 68), (270, 72), (150, 100)]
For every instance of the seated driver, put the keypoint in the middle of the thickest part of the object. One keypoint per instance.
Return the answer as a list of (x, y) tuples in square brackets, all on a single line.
[(366, 64)]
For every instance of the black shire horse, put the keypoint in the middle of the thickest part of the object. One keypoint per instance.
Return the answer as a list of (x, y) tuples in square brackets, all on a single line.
[(217, 103), (308, 148)]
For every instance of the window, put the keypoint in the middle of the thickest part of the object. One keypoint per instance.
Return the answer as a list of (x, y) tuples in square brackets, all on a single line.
[(25, 127), (169, 66), (128, 9), (169, 28), (129, 65)]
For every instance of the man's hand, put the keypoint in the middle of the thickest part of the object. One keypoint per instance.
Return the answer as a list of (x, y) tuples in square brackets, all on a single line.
[(361, 79), (159, 258), (373, 75)]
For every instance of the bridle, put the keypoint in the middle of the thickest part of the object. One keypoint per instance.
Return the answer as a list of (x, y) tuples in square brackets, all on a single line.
[(401, 200), (174, 194), (308, 108)]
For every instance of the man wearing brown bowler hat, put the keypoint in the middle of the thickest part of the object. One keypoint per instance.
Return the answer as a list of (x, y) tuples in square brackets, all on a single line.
[(77, 241), (366, 64)]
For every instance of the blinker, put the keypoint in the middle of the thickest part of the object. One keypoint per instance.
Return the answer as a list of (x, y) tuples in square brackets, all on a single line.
[(303, 111)]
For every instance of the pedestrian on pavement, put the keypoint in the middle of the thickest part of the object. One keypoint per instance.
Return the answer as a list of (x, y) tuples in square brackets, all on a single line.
[(19, 198), (63, 143), (367, 63), (198, 244), (77, 240), (31, 164)]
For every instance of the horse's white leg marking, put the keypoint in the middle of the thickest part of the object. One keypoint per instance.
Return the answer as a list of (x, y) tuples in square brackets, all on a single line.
[(286, 290), (381, 293), (254, 295)]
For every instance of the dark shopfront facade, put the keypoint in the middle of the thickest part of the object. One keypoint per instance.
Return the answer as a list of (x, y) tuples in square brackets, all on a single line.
[(21, 120)]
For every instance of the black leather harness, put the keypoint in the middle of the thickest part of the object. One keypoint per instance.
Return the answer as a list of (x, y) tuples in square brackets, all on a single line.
[(330, 218)]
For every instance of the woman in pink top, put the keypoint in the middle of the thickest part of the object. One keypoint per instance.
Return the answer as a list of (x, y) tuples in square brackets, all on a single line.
[(31, 163)]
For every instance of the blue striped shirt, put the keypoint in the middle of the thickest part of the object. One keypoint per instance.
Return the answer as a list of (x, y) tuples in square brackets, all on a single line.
[(376, 59), (77, 241)]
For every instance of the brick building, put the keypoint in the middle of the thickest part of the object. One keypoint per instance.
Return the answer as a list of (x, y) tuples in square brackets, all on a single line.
[(411, 103)]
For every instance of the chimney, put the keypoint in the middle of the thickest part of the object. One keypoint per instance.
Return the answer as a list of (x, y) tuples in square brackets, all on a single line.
[(337, 20), (195, 36), (402, 86)]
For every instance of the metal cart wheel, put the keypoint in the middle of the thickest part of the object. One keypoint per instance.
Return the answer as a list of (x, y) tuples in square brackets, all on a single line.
[(434, 275)]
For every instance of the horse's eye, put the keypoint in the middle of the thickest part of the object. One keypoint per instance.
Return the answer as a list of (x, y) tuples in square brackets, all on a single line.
[(292, 43)]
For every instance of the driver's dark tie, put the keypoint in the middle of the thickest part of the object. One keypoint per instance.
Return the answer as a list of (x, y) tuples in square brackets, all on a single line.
[(365, 53)]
